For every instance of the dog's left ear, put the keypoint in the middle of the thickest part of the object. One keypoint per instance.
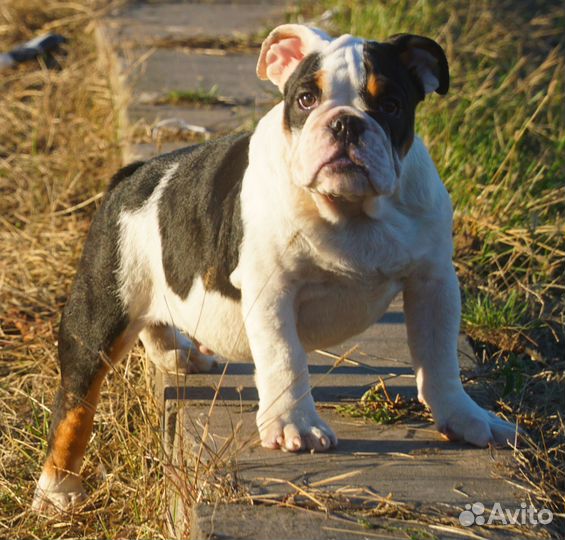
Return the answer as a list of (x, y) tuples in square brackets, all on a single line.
[(425, 59), (284, 48)]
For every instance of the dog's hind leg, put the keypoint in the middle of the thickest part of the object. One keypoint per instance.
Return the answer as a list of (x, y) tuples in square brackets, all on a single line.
[(86, 355), (172, 351), (95, 332)]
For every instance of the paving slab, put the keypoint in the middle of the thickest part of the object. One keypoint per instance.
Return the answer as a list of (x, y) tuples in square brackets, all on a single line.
[(233, 76), (409, 462), (215, 119), (407, 466), (147, 24), (140, 45), (379, 353), (149, 139), (342, 384), (268, 522)]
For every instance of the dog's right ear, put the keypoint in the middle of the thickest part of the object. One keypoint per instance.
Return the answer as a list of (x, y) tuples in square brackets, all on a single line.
[(284, 48)]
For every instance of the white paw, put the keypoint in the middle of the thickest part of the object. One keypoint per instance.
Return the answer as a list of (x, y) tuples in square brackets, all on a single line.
[(296, 430), (460, 418), (52, 495), (185, 360)]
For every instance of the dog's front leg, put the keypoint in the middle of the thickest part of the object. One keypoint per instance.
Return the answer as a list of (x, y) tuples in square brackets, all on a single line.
[(287, 417), (433, 311)]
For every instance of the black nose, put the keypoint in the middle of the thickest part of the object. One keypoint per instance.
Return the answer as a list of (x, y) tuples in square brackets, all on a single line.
[(347, 129)]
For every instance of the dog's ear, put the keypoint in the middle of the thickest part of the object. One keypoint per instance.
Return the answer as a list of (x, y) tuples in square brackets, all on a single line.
[(284, 48), (425, 60)]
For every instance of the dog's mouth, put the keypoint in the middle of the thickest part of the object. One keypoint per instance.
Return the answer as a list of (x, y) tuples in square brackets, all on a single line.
[(342, 185), (342, 163)]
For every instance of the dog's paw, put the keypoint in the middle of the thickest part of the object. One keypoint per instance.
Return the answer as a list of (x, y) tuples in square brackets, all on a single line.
[(462, 419), (295, 431), (52, 496), (170, 350), (185, 360)]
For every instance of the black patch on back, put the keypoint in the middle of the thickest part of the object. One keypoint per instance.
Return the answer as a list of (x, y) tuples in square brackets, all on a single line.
[(200, 215), (303, 79), (123, 173), (394, 80)]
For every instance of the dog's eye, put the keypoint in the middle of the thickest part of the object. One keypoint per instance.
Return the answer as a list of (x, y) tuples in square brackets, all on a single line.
[(389, 106), (307, 101)]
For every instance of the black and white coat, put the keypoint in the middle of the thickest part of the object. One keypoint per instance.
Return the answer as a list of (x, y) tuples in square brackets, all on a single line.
[(266, 246)]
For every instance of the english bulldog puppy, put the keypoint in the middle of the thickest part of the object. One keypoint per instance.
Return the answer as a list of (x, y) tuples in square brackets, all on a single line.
[(268, 245)]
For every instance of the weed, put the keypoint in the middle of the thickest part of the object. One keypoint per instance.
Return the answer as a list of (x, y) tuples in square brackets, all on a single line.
[(196, 96), (377, 405)]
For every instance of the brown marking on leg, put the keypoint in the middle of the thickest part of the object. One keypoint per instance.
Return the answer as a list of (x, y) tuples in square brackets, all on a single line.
[(372, 85), (210, 279), (59, 486), (72, 432), (71, 435)]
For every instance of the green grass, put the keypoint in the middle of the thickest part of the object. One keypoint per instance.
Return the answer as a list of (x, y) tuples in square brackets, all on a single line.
[(484, 312), (194, 96)]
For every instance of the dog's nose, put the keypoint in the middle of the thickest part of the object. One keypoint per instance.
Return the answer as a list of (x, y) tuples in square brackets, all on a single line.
[(347, 129)]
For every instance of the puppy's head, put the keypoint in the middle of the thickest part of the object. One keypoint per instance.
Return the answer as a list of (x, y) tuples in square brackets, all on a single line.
[(349, 109)]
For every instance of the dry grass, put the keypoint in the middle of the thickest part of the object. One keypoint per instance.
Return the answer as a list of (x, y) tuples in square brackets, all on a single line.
[(58, 147)]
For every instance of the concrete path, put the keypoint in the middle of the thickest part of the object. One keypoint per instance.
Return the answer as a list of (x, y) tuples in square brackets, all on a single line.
[(184, 72)]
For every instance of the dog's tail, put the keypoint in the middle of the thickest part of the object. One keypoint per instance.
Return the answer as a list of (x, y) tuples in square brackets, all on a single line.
[(123, 173)]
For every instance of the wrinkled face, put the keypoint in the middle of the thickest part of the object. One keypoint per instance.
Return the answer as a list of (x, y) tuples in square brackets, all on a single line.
[(349, 108), (349, 116)]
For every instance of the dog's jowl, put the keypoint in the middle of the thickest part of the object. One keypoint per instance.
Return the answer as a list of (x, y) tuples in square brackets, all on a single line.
[(265, 246)]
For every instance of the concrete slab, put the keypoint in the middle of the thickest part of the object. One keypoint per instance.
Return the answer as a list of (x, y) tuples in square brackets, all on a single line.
[(216, 120), (147, 24), (268, 522), (233, 76), (345, 383), (142, 75), (409, 461), (149, 139), (148, 82), (381, 352), (146, 150), (234, 521)]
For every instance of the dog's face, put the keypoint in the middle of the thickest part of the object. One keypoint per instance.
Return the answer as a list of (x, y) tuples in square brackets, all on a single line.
[(349, 109)]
